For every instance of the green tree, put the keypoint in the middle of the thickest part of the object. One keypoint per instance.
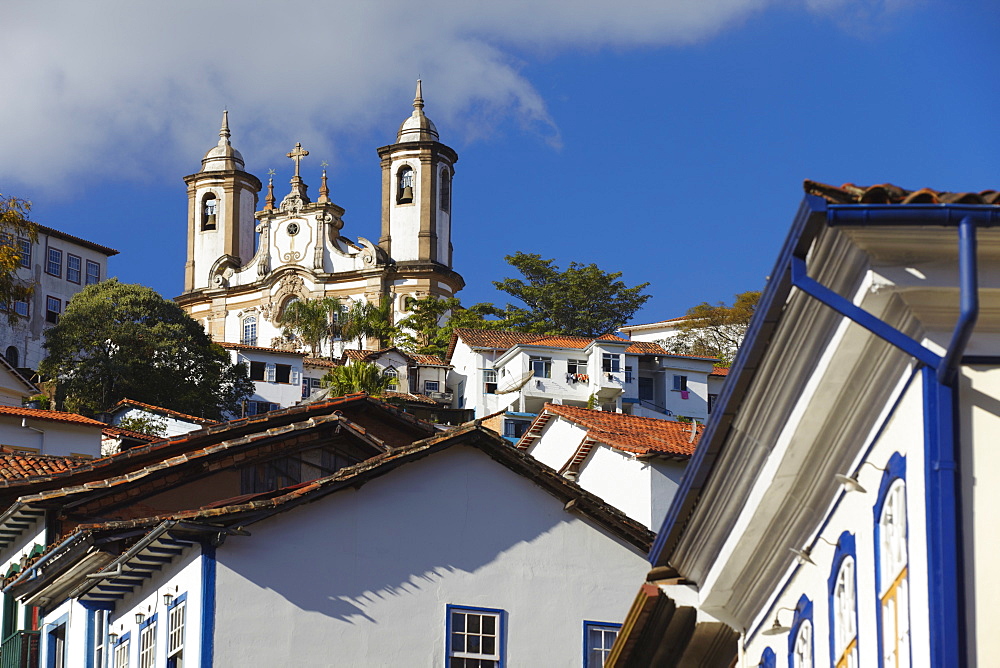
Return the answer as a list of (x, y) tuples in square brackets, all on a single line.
[(118, 340), (583, 300), (357, 377), (370, 320), (425, 329), (314, 320), (714, 330), (14, 223), (151, 425)]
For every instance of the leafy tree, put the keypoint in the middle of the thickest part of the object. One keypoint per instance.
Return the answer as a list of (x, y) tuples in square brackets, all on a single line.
[(425, 330), (14, 223), (357, 377), (151, 425), (119, 340), (714, 330), (314, 320), (583, 300)]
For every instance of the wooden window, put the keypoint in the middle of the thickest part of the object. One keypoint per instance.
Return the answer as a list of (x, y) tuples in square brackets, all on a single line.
[(25, 247), (489, 381), (53, 307), (474, 637), (249, 331), (54, 264), (74, 268), (177, 617), (93, 272), (147, 643), (257, 370), (122, 651), (845, 632)]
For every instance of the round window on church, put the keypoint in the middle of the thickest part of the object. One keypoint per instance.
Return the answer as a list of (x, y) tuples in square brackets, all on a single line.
[(293, 229)]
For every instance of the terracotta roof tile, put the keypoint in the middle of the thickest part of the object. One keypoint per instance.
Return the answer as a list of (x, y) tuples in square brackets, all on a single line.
[(632, 433), (165, 411), (316, 361), (17, 466), (720, 371), (417, 398), (886, 193), (115, 432), (53, 416), (428, 360), (503, 340)]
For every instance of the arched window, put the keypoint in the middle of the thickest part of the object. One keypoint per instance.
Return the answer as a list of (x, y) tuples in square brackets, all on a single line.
[(249, 331), (892, 573), (768, 659), (209, 206), (393, 376), (843, 605), (800, 640), (445, 190), (12, 356), (404, 189)]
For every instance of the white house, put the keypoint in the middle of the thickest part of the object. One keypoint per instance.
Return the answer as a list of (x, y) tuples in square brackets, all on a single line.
[(839, 510), (633, 463), (15, 389), (408, 372), (517, 373), (53, 433), (276, 375), (58, 265), (174, 422), (453, 550)]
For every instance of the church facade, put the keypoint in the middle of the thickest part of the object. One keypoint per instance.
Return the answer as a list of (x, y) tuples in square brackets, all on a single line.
[(245, 265)]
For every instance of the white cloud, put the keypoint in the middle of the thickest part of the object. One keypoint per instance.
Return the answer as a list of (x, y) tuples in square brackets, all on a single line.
[(104, 88)]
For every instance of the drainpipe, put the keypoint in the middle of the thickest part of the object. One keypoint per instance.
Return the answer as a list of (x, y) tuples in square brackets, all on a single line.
[(24, 423)]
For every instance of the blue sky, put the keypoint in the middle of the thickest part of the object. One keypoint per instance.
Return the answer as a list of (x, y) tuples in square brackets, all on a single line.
[(667, 140)]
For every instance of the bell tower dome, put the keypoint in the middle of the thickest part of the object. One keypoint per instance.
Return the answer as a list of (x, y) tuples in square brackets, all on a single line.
[(417, 174), (222, 198)]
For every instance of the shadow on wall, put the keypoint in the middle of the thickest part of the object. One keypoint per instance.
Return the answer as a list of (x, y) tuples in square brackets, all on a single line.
[(450, 513)]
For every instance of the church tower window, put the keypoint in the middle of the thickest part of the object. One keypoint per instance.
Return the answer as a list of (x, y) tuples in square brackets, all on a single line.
[(445, 190), (405, 186), (209, 207)]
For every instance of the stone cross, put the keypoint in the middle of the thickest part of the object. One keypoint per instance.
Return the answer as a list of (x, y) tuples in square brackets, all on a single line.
[(297, 154)]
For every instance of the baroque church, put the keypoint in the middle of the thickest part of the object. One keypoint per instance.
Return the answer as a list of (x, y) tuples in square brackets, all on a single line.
[(245, 265)]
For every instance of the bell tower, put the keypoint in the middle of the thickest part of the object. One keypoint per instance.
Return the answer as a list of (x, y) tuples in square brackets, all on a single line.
[(417, 174), (222, 198)]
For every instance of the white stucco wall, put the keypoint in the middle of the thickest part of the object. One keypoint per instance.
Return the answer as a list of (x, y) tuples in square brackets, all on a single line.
[(173, 426), (404, 219), (365, 576), (854, 513), (621, 480), (559, 441), (50, 438)]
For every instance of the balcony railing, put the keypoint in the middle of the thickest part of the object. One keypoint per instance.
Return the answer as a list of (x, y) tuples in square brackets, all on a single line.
[(20, 650)]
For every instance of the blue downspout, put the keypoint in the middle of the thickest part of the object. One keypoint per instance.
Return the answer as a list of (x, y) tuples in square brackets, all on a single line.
[(946, 594), (207, 603)]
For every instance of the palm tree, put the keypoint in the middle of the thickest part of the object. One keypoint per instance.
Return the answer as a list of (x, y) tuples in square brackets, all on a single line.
[(357, 377), (313, 320), (368, 320)]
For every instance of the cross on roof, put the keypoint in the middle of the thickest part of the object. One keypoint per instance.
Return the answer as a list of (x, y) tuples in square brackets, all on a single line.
[(297, 154)]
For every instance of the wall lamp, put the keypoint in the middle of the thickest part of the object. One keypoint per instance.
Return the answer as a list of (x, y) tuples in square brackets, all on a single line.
[(850, 482), (168, 599), (777, 629), (139, 618), (112, 638), (804, 556)]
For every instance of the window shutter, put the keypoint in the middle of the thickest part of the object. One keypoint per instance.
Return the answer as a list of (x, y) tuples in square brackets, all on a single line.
[(269, 373), (295, 377)]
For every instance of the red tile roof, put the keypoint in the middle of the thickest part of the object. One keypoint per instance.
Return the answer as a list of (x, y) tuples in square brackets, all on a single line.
[(503, 340), (16, 466), (886, 193), (164, 411), (368, 355), (261, 349), (52, 416), (720, 371), (428, 360), (417, 398), (631, 433), (316, 361), (118, 432)]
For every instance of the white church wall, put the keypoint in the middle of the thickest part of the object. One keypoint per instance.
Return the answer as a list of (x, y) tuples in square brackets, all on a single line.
[(456, 528), (404, 219)]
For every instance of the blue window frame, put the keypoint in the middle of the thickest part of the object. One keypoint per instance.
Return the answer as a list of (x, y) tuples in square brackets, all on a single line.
[(768, 659), (892, 565), (55, 643), (98, 645), (801, 649), (123, 650), (176, 624), (475, 637), (842, 586), (147, 642), (598, 638)]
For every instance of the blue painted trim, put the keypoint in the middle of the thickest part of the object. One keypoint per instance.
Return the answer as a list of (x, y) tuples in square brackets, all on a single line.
[(895, 470), (148, 621), (50, 655), (946, 594), (846, 547), (92, 608), (502, 614), (968, 280), (833, 511), (803, 613), (768, 659), (587, 625), (859, 316), (208, 587)]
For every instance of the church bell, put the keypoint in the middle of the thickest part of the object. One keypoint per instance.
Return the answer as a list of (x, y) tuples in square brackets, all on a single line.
[(407, 195)]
